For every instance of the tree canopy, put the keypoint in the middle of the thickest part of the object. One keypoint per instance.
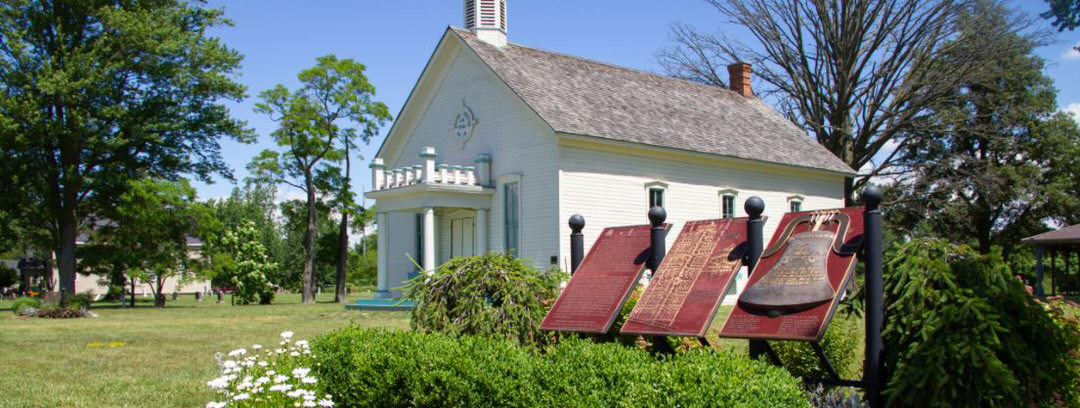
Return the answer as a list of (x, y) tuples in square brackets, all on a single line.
[(95, 93)]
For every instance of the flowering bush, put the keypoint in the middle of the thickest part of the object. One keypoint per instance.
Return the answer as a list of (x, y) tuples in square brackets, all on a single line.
[(265, 377)]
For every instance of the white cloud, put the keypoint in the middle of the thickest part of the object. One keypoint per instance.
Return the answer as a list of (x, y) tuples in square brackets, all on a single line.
[(1074, 110), (1071, 53)]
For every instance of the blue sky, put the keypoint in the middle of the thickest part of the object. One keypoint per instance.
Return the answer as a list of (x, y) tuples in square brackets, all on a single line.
[(394, 39)]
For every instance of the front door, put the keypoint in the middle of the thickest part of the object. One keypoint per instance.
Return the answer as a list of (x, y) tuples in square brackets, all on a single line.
[(462, 232)]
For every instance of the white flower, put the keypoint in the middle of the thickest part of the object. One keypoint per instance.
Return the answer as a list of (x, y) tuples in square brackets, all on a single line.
[(263, 364), (237, 352), (215, 404), (300, 372), (279, 350), (241, 396), (256, 347), (280, 379), (229, 364), (271, 372), (261, 380), (301, 343), (295, 393), (326, 403), (280, 387), (218, 383), (308, 380), (294, 354), (308, 403), (286, 335)]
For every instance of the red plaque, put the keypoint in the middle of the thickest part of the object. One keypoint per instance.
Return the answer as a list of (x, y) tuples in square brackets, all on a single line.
[(686, 292), (595, 294), (783, 298)]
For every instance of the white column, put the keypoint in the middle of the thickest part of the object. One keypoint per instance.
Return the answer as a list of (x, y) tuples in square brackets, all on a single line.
[(377, 176), (481, 226), (429, 239), (427, 154), (380, 253)]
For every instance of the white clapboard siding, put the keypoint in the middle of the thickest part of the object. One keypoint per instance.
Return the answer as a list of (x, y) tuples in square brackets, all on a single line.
[(402, 245), (608, 188), (507, 129)]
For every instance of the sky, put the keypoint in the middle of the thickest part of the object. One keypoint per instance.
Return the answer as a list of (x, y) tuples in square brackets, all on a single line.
[(394, 39)]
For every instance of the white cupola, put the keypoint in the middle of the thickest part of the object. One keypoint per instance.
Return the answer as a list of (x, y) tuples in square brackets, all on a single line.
[(487, 19)]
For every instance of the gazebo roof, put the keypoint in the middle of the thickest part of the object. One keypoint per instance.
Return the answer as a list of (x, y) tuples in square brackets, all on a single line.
[(1065, 236)]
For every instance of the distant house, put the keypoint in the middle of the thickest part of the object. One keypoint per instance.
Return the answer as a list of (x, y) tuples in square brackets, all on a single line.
[(99, 285), (499, 144)]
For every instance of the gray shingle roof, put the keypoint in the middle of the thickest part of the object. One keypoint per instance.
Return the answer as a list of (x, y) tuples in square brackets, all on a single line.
[(583, 97)]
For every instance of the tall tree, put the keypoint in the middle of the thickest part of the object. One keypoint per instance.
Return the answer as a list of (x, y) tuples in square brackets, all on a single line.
[(852, 73), (320, 124), (347, 112), (94, 93), (994, 160)]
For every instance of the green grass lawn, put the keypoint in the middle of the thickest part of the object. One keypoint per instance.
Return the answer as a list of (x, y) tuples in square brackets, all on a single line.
[(167, 354)]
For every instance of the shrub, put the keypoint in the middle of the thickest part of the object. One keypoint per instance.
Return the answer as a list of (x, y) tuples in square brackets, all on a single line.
[(840, 343), (239, 255), (20, 304), (375, 368), (961, 331), (82, 300), (490, 295)]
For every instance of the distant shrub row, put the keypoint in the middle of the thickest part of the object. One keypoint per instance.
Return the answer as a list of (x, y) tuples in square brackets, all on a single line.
[(378, 368)]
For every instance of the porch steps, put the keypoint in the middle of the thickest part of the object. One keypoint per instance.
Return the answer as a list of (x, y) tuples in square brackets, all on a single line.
[(380, 304)]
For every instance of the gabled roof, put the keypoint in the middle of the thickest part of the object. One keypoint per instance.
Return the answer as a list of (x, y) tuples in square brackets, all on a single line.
[(582, 97)]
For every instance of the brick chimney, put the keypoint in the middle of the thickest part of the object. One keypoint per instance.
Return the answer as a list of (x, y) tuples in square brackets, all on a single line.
[(739, 78)]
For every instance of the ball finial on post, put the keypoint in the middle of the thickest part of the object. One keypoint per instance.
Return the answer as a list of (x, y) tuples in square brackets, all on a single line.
[(754, 206), (871, 197), (577, 223), (657, 215), (577, 242)]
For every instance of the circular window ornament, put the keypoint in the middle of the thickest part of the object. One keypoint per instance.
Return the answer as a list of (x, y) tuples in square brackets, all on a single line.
[(464, 123)]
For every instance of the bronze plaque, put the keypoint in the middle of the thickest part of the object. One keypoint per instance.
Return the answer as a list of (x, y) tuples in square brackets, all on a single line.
[(793, 290), (798, 280), (691, 282), (592, 299)]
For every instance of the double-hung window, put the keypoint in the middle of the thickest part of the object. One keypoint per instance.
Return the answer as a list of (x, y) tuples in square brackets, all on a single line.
[(512, 216)]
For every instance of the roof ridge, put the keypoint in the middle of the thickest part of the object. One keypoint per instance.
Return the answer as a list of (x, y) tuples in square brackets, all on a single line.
[(608, 64)]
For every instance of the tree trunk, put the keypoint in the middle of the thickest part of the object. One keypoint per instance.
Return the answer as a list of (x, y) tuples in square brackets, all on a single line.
[(343, 231), (159, 298), (132, 291), (307, 294), (343, 254), (66, 250)]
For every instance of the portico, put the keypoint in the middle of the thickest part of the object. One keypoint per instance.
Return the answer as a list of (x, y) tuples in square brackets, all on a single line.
[(453, 196)]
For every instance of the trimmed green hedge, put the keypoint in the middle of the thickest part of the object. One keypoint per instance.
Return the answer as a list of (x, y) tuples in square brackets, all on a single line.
[(379, 368)]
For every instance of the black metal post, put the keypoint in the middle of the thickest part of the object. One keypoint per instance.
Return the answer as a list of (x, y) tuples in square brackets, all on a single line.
[(1039, 251), (577, 241), (657, 236), (755, 240), (657, 250), (873, 370)]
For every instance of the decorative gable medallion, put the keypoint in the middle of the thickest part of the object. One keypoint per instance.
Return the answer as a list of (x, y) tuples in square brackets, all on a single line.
[(464, 124)]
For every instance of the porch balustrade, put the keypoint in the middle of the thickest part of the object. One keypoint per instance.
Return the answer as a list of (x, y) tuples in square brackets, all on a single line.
[(430, 172)]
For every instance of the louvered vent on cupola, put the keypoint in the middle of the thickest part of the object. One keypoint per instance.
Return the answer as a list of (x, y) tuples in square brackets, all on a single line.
[(487, 19)]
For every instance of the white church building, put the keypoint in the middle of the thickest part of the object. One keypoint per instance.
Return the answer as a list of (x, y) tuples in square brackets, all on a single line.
[(499, 144)]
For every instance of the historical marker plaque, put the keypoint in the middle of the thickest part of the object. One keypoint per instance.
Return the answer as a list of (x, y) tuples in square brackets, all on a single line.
[(685, 293), (595, 294), (794, 289)]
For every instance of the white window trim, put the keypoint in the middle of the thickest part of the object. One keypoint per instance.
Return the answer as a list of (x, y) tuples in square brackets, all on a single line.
[(501, 187), (734, 201), (796, 199), (657, 185)]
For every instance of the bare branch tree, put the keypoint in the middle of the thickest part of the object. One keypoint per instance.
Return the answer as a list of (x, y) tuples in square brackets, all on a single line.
[(852, 73)]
